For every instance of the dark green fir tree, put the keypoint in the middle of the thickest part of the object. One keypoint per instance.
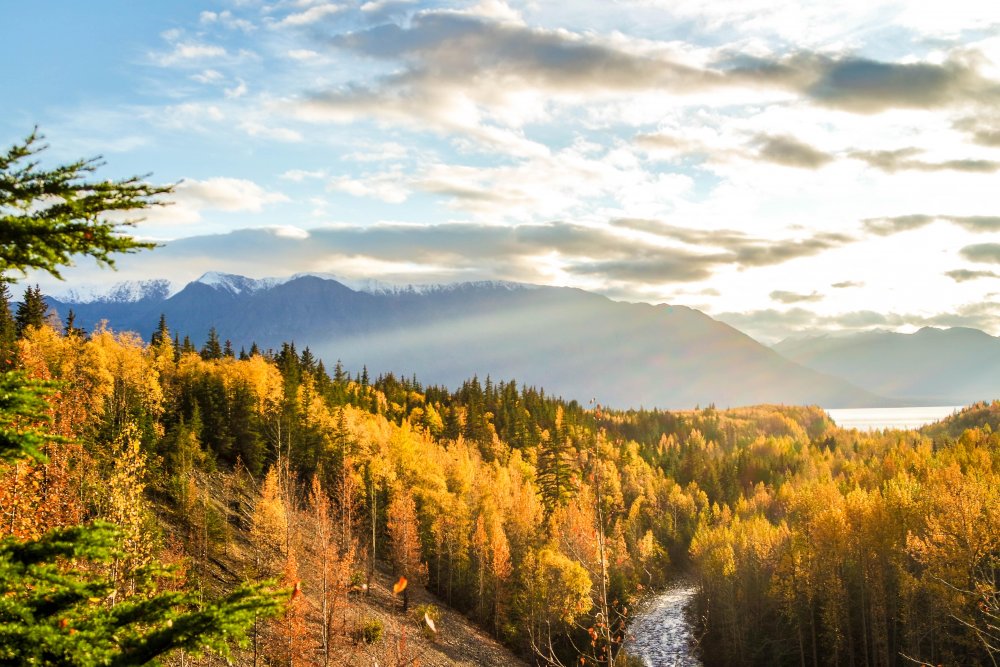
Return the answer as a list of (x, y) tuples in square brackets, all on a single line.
[(8, 329), (31, 311), (212, 348)]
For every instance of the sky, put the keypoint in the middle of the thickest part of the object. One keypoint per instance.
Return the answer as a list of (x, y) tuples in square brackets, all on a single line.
[(784, 166)]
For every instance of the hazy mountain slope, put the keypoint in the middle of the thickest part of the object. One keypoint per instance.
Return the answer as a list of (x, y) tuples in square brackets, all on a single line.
[(953, 366), (570, 342)]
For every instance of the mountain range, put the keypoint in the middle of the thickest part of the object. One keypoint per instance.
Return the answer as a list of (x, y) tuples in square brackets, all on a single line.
[(955, 366), (572, 343)]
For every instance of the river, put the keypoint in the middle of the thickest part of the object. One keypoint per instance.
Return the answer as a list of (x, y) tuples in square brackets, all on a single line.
[(660, 635)]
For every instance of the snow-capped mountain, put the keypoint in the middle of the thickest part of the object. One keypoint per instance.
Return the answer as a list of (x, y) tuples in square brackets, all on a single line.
[(234, 284), (571, 342), (128, 291)]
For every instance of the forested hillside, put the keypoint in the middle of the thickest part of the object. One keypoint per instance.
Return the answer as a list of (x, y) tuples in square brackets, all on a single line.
[(676, 357), (542, 520)]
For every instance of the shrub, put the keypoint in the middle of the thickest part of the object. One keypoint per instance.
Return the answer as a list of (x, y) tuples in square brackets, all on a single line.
[(369, 632)]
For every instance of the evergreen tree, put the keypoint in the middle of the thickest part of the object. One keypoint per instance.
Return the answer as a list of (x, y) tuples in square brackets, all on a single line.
[(212, 348), (48, 615), (187, 346), (49, 608), (308, 361), (8, 329), (162, 332), (31, 311), (23, 416), (555, 477), (71, 329), (49, 216), (227, 349)]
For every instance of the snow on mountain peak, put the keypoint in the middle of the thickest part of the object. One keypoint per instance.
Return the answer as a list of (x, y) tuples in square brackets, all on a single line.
[(379, 287), (235, 284), (128, 291)]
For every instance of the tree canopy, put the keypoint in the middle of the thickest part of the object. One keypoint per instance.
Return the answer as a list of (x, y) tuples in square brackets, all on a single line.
[(54, 610)]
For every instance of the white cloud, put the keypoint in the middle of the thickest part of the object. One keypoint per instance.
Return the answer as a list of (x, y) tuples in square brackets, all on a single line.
[(208, 76), (256, 129), (237, 91), (192, 198), (226, 19), (299, 175), (190, 52), (302, 54), (388, 187), (311, 15), (226, 194), (378, 153)]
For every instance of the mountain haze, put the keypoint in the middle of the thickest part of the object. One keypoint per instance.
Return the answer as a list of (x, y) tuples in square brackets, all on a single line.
[(570, 342), (955, 366)]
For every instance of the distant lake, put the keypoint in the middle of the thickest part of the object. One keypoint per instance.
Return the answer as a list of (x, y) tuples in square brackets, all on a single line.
[(870, 419)]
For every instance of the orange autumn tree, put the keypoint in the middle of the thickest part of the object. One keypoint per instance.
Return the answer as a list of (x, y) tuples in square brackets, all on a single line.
[(407, 560)]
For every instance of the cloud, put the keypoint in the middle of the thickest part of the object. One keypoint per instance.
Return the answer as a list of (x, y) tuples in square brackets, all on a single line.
[(302, 54), (486, 83), (237, 91), (388, 187), (191, 197), (846, 284), (469, 76), (790, 152), (867, 86), (556, 185), (983, 130), (185, 53), (903, 159), (771, 325), (666, 141), (982, 252), (897, 224), (793, 297), (555, 252), (378, 153), (312, 15), (208, 76), (964, 275), (893, 225), (299, 175), (455, 48), (284, 134), (227, 194), (226, 19), (741, 249)]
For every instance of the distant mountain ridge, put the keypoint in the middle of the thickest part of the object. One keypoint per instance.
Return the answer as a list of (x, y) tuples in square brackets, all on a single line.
[(955, 366), (570, 342), (128, 291)]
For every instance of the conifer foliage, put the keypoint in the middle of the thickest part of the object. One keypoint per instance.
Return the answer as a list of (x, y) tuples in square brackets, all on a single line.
[(52, 613), (48, 216), (59, 593)]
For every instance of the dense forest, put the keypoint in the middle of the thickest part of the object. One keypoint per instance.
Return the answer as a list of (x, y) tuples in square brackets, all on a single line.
[(543, 520)]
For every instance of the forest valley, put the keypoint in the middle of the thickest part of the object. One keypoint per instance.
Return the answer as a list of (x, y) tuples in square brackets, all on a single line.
[(544, 521)]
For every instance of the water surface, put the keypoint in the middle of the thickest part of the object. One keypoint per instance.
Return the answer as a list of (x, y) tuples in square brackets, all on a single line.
[(870, 419), (660, 635)]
